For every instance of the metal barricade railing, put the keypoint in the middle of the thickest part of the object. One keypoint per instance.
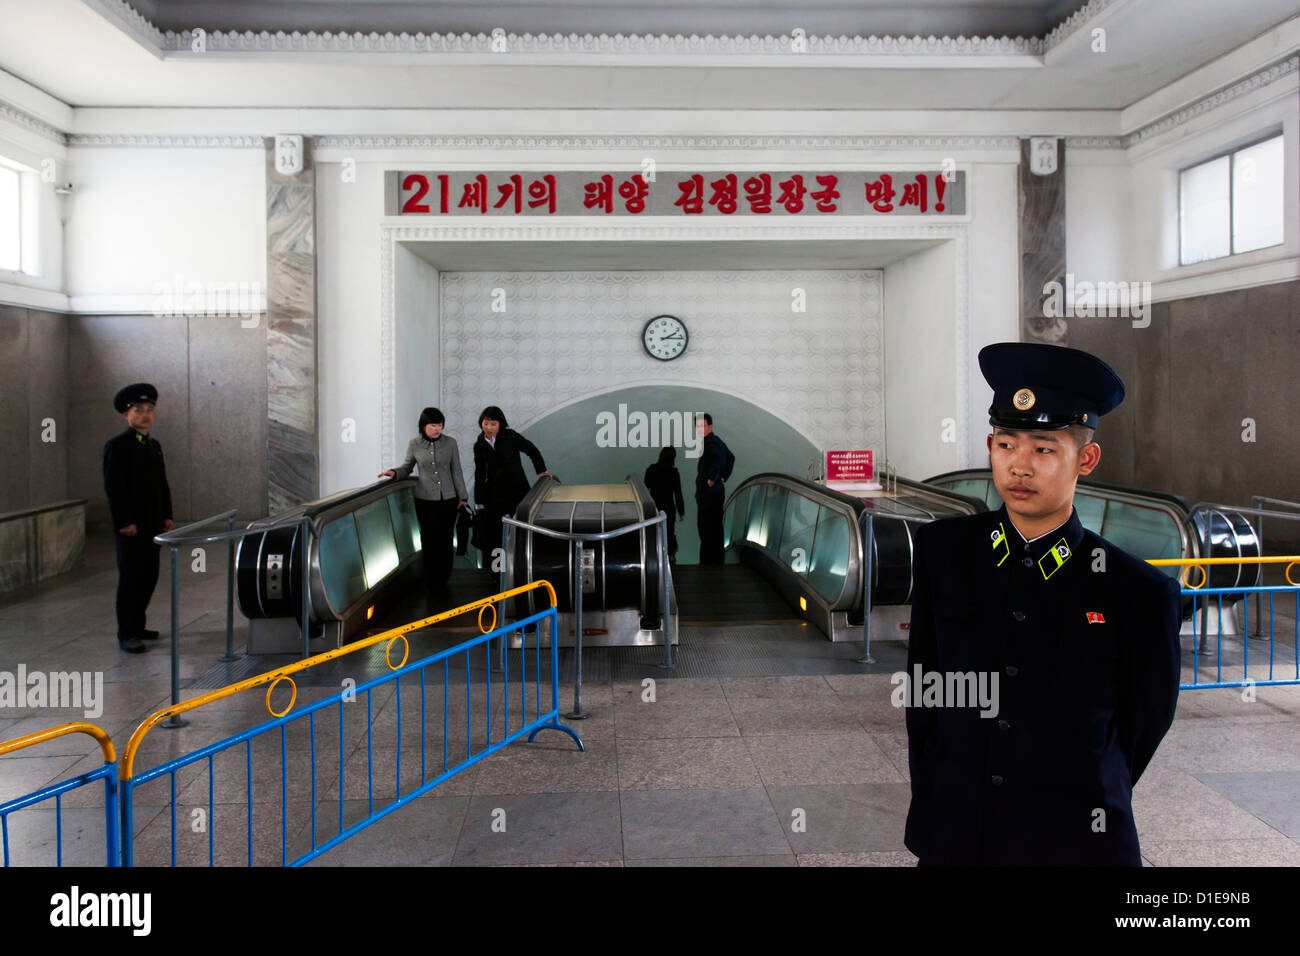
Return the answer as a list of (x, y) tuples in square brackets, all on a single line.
[(106, 772), (177, 537), (577, 539), (1200, 596), (544, 718)]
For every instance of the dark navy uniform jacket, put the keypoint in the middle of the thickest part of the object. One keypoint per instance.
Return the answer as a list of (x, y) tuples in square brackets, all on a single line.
[(136, 483), (715, 464), (1087, 662)]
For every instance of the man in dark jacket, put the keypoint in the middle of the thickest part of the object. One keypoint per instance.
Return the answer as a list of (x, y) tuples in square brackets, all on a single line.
[(1043, 661), (665, 486), (499, 481), (141, 506), (713, 469)]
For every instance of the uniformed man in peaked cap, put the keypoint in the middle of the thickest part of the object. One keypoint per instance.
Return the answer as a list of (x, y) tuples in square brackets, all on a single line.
[(141, 506), (1076, 640)]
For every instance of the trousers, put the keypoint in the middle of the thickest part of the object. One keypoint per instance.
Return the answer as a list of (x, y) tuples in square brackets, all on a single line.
[(709, 505), (437, 524), (137, 576)]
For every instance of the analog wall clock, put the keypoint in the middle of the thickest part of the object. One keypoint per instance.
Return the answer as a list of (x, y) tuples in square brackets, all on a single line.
[(664, 337)]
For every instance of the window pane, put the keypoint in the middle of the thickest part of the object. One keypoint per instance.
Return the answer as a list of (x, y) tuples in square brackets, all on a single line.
[(10, 228), (1257, 196), (1203, 211)]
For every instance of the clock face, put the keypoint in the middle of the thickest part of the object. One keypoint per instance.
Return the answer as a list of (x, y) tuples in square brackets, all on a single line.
[(664, 337)]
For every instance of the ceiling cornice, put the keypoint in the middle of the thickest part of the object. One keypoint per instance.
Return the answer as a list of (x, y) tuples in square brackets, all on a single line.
[(20, 117), (558, 45)]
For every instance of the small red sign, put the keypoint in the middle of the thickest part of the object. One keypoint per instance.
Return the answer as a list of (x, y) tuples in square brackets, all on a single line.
[(848, 466), (1095, 617)]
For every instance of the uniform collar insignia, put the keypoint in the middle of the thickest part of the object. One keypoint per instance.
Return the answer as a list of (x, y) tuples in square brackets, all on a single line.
[(1001, 546), (1053, 558), (1050, 552)]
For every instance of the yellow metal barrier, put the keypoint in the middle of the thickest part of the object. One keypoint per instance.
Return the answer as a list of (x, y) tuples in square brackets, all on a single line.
[(274, 676), (1200, 563), (101, 736)]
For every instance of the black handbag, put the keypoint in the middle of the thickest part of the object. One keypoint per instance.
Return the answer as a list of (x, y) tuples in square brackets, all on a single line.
[(464, 523)]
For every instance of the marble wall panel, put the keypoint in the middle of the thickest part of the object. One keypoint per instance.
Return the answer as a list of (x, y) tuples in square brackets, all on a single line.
[(1042, 246), (292, 447)]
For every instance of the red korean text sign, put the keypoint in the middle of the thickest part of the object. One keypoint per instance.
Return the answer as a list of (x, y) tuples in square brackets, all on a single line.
[(931, 193), (848, 466)]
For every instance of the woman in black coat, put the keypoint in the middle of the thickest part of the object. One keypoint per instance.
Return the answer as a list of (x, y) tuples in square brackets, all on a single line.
[(665, 486), (499, 482)]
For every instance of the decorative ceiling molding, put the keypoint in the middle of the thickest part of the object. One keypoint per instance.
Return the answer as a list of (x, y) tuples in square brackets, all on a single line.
[(169, 141), (652, 141), (559, 44), (131, 21), (26, 120), (1257, 80), (1262, 78), (1072, 24)]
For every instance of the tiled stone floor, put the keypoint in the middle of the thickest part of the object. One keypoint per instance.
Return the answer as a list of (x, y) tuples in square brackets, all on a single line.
[(808, 769)]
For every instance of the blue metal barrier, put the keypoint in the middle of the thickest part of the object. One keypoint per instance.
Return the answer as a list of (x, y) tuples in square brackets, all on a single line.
[(1201, 603), (106, 772), (546, 716)]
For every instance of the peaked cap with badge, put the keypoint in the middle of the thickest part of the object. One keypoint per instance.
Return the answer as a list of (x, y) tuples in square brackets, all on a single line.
[(1077, 638), (1047, 387), (135, 394)]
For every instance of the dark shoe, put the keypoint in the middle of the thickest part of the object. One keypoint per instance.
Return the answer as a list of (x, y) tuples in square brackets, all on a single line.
[(132, 645), (148, 635)]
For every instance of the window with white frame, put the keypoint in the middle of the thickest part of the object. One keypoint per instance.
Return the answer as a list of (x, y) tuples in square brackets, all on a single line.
[(11, 224), (1232, 203)]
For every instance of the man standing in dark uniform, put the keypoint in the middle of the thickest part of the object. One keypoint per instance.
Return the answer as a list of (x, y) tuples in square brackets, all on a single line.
[(714, 468), (1076, 639), (141, 506)]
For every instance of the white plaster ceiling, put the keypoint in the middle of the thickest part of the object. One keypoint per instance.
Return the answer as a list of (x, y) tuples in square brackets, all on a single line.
[(100, 53), (622, 256)]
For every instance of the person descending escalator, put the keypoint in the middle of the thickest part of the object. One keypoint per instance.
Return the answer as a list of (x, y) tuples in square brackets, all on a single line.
[(499, 481), (439, 494), (665, 485)]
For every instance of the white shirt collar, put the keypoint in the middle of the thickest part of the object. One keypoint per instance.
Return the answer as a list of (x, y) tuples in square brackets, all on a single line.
[(1045, 533)]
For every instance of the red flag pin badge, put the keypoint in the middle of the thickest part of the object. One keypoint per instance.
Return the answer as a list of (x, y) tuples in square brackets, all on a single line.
[(1095, 617)]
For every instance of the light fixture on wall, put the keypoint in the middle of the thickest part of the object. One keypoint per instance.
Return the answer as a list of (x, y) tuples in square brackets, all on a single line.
[(63, 189)]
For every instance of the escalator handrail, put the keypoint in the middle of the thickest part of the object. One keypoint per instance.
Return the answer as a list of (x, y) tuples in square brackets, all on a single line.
[(585, 535), (1165, 496), (764, 476), (1176, 508), (851, 593)]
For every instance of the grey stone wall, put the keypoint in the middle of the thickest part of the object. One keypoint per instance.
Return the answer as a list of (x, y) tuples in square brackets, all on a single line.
[(1203, 366), (33, 388), (210, 373)]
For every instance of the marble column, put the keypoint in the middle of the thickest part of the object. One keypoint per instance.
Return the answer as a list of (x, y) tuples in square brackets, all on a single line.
[(1042, 246), (292, 446)]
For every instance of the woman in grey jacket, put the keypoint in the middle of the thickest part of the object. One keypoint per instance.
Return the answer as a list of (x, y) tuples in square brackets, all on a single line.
[(441, 490)]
